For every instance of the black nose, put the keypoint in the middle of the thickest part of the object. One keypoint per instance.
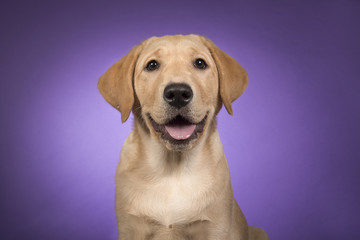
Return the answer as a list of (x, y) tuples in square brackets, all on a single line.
[(178, 94)]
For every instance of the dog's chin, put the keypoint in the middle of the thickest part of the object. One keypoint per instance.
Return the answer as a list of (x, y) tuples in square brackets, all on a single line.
[(179, 133)]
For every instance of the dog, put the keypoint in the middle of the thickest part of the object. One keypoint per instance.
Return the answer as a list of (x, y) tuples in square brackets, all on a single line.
[(173, 181)]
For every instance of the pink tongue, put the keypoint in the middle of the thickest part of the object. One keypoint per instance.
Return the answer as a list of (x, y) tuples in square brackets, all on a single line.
[(180, 132)]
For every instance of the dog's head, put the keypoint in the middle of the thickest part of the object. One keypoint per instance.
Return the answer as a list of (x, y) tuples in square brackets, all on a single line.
[(176, 85)]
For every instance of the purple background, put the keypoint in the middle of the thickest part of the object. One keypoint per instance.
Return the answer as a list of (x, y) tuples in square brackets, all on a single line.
[(292, 144)]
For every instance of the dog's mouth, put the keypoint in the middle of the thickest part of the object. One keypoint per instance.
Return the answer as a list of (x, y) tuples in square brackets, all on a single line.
[(179, 130)]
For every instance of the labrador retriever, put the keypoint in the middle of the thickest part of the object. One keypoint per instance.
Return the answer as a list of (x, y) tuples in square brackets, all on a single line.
[(173, 180)]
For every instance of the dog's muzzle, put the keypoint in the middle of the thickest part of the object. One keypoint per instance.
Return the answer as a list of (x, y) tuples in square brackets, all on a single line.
[(178, 129)]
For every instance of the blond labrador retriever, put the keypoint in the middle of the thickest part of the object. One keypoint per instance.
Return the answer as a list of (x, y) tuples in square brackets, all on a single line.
[(173, 180)]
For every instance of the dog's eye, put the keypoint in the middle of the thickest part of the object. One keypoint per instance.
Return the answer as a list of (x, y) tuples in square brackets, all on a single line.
[(152, 65), (200, 63)]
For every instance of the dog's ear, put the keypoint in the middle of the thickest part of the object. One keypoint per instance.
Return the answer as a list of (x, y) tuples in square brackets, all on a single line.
[(233, 78), (116, 84)]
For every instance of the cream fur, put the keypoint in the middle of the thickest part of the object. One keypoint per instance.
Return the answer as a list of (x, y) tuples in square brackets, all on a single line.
[(163, 192)]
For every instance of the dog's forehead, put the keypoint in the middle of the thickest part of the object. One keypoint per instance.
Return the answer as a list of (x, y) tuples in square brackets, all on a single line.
[(163, 45)]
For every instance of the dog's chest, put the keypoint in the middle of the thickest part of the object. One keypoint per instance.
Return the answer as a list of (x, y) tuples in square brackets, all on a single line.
[(171, 200)]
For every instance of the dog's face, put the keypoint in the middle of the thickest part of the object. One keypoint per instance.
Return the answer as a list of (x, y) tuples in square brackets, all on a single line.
[(176, 85)]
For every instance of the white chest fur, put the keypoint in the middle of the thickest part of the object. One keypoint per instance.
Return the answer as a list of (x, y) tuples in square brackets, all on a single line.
[(173, 199)]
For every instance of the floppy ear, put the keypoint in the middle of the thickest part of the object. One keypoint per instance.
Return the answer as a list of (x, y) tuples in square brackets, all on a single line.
[(116, 84), (233, 78)]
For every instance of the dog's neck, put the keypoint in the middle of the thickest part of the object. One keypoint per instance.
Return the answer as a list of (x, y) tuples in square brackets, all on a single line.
[(152, 152)]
